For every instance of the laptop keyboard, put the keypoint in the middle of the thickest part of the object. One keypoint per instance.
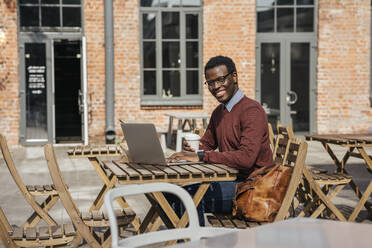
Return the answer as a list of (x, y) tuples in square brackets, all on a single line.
[(184, 163)]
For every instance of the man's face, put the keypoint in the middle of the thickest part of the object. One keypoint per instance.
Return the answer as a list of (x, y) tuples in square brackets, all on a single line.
[(222, 91)]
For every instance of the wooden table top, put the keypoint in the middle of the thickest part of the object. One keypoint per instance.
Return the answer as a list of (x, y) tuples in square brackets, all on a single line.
[(130, 173), (94, 151), (343, 139)]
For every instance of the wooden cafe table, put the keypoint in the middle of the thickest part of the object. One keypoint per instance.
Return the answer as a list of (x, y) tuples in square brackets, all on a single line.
[(355, 144), (113, 172), (184, 118), (131, 173), (93, 153)]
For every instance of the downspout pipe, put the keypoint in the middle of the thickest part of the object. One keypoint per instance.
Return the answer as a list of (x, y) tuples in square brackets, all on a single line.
[(109, 72)]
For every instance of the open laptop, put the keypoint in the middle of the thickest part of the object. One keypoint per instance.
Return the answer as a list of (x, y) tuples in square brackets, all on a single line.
[(144, 145)]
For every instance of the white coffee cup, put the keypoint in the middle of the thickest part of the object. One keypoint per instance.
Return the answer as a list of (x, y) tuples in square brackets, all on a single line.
[(193, 140)]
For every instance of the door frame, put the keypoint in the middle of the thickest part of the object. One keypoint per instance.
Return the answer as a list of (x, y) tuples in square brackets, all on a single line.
[(48, 39), (285, 40)]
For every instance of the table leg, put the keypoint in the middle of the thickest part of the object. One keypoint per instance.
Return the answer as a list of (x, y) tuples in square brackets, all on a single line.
[(197, 198), (171, 220), (340, 164), (205, 123), (367, 193), (109, 183), (193, 124), (179, 136), (169, 135), (159, 202), (150, 216), (98, 202), (362, 202)]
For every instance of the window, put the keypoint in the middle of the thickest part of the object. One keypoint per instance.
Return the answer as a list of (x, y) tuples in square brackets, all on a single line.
[(285, 16), (171, 52), (53, 15)]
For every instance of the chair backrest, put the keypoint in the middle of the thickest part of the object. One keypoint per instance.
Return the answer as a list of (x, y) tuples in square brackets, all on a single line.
[(11, 166), (16, 177), (66, 198), (280, 148), (295, 156), (5, 228), (286, 131), (271, 136), (192, 232)]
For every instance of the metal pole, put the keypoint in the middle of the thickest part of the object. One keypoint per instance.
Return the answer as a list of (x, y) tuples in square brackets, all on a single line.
[(109, 71)]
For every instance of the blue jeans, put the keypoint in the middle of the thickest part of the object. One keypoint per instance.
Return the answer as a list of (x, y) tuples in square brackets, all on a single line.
[(217, 199)]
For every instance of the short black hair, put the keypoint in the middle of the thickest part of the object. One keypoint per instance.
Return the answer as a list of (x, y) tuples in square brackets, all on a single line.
[(220, 60)]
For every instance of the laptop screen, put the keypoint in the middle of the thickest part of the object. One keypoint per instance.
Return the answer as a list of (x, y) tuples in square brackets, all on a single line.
[(143, 143)]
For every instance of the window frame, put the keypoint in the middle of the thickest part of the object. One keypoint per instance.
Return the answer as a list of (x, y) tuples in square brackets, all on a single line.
[(59, 28), (293, 6), (184, 99)]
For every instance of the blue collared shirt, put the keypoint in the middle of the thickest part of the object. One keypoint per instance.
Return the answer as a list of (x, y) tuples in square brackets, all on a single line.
[(234, 100)]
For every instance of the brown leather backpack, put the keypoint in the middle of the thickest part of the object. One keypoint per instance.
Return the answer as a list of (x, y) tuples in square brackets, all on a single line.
[(260, 196)]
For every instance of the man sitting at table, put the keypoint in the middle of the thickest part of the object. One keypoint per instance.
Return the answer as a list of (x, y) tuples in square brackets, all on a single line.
[(238, 128)]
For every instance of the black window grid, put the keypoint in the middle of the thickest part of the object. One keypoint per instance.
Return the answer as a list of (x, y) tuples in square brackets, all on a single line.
[(294, 6), (60, 5)]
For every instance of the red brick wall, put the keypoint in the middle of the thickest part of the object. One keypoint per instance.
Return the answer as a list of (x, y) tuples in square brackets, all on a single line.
[(94, 33), (228, 29), (344, 66), (9, 104)]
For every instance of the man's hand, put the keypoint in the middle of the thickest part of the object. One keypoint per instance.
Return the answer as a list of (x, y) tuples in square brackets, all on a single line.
[(189, 156), (187, 147)]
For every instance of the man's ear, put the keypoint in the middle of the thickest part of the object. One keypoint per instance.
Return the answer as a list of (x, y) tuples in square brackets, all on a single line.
[(235, 77)]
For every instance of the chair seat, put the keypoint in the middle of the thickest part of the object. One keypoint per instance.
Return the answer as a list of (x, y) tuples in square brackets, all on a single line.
[(331, 179), (101, 219), (228, 221), (43, 236), (42, 189)]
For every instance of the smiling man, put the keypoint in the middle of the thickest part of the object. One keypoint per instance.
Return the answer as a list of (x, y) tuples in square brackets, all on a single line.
[(238, 128)]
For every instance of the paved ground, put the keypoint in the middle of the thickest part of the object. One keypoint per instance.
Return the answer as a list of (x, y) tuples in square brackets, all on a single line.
[(85, 184)]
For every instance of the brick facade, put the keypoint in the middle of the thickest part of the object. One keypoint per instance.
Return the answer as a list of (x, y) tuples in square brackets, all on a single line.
[(94, 33), (237, 31), (343, 74), (229, 28), (9, 87)]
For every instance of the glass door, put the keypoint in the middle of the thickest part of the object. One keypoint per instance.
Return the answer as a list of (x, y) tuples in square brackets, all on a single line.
[(270, 82), (298, 94), (68, 109), (35, 92), (51, 93), (285, 82)]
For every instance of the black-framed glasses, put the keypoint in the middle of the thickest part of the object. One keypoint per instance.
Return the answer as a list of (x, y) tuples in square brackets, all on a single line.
[(220, 80)]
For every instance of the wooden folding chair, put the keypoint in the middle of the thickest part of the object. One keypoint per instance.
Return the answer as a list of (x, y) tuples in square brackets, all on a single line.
[(34, 237), (293, 155), (331, 184), (84, 222), (31, 191)]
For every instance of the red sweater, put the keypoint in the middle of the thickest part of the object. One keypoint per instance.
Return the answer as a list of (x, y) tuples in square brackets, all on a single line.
[(242, 137)]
